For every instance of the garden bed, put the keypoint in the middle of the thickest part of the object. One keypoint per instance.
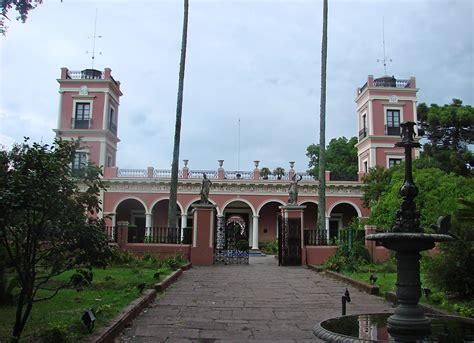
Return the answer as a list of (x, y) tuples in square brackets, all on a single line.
[(435, 303), (109, 294)]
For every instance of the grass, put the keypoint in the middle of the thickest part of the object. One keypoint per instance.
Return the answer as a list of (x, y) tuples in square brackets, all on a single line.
[(386, 283), (112, 289)]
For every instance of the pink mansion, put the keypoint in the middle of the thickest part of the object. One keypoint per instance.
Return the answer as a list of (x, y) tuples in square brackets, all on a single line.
[(89, 108)]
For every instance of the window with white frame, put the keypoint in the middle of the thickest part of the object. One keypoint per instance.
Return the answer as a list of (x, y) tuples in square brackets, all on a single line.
[(394, 162), (80, 162), (392, 127), (82, 115)]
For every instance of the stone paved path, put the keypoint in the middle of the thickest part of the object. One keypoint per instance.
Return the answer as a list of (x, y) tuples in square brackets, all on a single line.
[(260, 302)]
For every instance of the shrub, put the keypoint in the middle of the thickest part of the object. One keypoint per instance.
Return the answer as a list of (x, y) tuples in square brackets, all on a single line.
[(335, 263), (269, 247), (56, 332), (120, 257), (437, 298), (451, 269), (464, 310)]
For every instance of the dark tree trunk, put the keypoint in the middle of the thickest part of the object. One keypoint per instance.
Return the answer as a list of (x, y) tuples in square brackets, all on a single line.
[(322, 123), (177, 132)]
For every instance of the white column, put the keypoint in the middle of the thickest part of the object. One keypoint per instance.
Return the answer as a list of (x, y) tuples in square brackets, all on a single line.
[(370, 124), (184, 223), (184, 220), (255, 233), (113, 217), (327, 228), (105, 121), (148, 223)]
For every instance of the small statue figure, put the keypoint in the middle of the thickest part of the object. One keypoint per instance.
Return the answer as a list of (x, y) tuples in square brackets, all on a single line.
[(293, 190), (205, 186)]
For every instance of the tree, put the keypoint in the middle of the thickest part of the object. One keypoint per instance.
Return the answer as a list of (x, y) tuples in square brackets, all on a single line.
[(451, 269), (49, 222), (322, 123), (449, 130), (439, 194), (177, 131), (23, 7), (341, 156), (264, 172), (376, 183), (279, 172)]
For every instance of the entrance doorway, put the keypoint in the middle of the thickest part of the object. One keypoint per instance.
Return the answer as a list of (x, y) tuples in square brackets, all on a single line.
[(232, 241), (289, 241)]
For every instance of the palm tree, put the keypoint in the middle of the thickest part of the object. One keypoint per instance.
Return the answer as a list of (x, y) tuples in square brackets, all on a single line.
[(177, 130), (264, 172), (322, 123), (279, 172)]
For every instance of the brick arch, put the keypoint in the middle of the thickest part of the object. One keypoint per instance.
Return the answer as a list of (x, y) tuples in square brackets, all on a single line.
[(165, 198), (269, 201), (348, 202), (221, 211), (130, 197)]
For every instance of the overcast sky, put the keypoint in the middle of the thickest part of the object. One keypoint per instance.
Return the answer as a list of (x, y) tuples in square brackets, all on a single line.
[(254, 60)]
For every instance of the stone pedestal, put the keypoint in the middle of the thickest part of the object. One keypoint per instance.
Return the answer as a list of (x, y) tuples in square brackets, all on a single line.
[(202, 250), (295, 213)]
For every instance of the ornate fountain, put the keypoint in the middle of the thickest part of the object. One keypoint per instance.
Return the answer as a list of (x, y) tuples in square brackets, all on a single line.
[(408, 323)]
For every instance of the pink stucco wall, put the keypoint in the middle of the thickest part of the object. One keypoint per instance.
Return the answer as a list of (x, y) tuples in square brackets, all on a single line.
[(378, 117), (268, 222), (317, 255)]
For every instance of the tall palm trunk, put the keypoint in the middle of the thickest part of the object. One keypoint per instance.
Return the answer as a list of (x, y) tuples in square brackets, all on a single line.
[(322, 123), (177, 130)]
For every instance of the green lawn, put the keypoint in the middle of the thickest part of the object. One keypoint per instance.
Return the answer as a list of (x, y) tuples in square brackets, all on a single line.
[(112, 289), (386, 282)]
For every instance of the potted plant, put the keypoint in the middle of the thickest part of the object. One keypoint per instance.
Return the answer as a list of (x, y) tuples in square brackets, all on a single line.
[(264, 172), (279, 172)]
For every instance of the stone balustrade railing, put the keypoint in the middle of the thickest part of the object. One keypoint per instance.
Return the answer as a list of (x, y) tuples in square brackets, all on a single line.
[(221, 174)]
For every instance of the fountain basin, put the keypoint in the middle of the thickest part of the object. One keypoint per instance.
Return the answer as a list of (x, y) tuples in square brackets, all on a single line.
[(373, 328), (398, 241)]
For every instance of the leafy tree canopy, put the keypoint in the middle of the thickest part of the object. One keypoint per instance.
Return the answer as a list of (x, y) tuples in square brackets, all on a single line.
[(341, 156), (439, 194), (49, 221), (449, 130), (23, 7), (376, 182)]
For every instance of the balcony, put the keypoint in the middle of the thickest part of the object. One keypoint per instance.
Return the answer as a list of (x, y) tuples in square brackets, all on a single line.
[(334, 176), (391, 82), (81, 123), (224, 175), (362, 134), (392, 130), (86, 74)]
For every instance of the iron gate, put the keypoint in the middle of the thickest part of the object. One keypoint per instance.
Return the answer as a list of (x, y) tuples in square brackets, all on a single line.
[(232, 241), (289, 241)]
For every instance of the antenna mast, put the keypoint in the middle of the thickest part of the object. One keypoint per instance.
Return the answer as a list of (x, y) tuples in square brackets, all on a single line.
[(385, 60), (238, 150), (93, 40)]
